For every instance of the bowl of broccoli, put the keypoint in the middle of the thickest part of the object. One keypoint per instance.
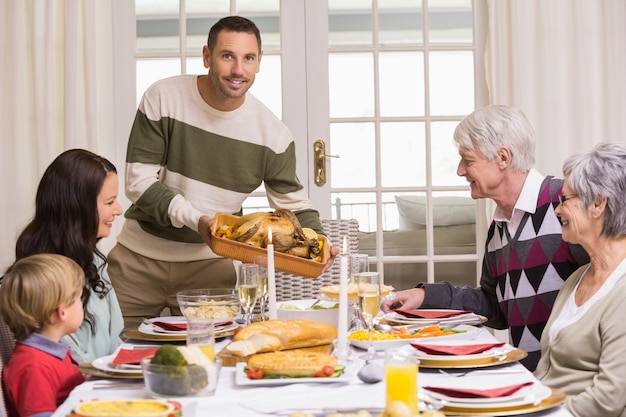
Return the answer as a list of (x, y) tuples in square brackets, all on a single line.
[(180, 371)]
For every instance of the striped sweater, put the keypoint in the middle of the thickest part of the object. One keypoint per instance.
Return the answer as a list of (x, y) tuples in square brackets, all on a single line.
[(521, 275), (186, 159)]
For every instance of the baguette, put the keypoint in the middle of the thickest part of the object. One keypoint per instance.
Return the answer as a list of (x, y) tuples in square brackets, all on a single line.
[(275, 335)]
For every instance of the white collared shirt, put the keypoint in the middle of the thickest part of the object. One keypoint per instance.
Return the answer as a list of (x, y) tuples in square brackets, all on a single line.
[(526, 202)]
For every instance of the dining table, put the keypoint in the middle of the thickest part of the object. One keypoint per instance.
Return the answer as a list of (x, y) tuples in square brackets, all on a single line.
[(235, 396)]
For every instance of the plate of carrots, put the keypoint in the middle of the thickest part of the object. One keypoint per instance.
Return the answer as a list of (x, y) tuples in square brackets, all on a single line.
[(400, 336)]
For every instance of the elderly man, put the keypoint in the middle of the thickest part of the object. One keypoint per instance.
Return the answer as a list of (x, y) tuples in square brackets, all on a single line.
[(526, 260)]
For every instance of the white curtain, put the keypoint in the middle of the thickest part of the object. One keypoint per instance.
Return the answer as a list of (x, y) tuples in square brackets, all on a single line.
[(56, 89), (563, 62)]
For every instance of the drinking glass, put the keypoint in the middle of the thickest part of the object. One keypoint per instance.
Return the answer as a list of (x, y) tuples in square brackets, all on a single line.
[(201, 333), (261, 261), (358, 263), (248, 288), (401, 369), (369, 304)]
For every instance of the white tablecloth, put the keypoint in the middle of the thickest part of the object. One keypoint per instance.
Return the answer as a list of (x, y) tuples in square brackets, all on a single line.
[(258, 401)]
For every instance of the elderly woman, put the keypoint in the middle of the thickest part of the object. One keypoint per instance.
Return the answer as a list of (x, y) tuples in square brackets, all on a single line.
[(582, 346)]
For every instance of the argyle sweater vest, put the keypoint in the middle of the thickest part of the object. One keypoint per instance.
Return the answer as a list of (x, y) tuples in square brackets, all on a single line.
[(529, 269)]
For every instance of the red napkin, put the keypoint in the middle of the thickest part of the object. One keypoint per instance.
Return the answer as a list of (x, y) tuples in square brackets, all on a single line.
[(426, 314), (455, 350), (182, 327), (132, 356), (222, 324), (178, 327), (479, 393)]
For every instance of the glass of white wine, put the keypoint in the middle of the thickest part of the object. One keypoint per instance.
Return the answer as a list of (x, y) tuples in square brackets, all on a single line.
[(359, 262), (248, 288), (261, 261), (369, 304)]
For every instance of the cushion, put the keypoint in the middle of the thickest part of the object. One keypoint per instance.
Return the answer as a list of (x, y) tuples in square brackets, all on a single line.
[(447, 211)]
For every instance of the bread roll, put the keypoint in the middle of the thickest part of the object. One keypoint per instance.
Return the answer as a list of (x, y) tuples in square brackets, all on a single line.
[(274, 335)]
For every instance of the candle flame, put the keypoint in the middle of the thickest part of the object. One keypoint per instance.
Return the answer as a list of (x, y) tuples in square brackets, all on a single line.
[(269, 235), (345, 245)]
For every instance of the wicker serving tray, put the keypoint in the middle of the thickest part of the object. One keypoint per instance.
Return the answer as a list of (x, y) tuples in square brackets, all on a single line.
[(245, 253)]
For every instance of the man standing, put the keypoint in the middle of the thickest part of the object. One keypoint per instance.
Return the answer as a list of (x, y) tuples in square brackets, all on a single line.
[(199, 145)]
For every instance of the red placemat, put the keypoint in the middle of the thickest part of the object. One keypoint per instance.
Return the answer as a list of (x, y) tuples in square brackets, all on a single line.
[(455, 349), (479, 393)]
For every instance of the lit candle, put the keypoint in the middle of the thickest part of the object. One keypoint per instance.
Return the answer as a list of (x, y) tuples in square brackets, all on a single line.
[(342, 325), (271, 279)]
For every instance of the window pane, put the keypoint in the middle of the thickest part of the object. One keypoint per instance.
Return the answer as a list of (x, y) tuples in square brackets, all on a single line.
[(265, 14), (198, 26), (351, 84), (215, 7), (195, 65), (403, 154), (157, 25), (401, 95), (445, 155), (400, 22), (454, 218), (151, 70), (450, 21), (350, 23), (451, 75), (458, 273), (355, 145), (267, 85), (361, 206)]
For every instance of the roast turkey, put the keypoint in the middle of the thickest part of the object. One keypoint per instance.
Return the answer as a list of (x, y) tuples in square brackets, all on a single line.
[(288, 236)]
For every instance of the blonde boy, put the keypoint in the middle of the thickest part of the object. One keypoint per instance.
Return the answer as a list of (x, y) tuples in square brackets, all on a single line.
[(40, 300)]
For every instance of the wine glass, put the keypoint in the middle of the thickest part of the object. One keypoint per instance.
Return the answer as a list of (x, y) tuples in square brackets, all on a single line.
[(369, 304), (248, 288), (358, 263), (261, 261)]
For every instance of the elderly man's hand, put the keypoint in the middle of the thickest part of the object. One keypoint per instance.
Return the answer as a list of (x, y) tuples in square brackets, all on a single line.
[(407, 299)]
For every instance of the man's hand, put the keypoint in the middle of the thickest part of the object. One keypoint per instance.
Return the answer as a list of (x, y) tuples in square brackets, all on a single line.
[(204, 228), (334, 251), (407, 299)]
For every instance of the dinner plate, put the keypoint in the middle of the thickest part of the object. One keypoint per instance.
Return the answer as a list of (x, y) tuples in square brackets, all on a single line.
[(397, 318), (148, 328), (495, 351), (468, 333), (104, 364), (555, 399), (243, 380), (87, 368), (527, 395), (512, 356)]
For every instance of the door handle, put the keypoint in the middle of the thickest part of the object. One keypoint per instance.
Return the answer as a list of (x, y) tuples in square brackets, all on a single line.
[(319, 162)]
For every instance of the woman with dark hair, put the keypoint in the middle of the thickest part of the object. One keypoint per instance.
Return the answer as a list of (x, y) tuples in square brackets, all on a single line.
[(75, 206)]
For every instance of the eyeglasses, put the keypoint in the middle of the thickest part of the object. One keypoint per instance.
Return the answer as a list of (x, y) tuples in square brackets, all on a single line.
[(564, 198)]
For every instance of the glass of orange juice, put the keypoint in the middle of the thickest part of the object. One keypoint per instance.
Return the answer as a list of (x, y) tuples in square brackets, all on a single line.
[(201, 333), (401, 370)]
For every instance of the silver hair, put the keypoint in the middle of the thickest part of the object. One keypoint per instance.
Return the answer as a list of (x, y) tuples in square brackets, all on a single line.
[(600, 173), (490, 128)]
